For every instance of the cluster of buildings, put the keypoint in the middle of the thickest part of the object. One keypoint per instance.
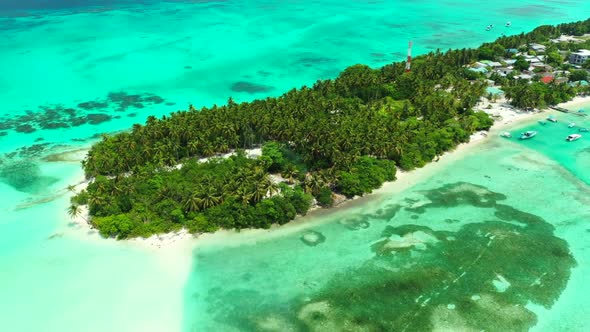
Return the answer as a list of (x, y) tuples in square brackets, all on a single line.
[(538, 66)]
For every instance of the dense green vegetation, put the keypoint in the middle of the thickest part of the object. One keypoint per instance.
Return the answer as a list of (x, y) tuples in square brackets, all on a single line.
[(524, 94), (344, 135), (226, 193)]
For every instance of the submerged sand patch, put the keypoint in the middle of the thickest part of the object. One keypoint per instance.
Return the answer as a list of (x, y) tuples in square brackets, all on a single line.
[(479, 277)]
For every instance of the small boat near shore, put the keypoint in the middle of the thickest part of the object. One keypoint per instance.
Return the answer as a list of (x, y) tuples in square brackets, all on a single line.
[(583, 130), (551, 118), (528, 134), (541, 122), (506, 134), (573, 137), (571, 125), (508, 24)]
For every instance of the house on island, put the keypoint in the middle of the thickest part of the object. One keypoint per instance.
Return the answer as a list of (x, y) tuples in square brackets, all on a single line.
[(538, 48), (488, 63), (566, 39), (561, 72), (532, 58), (542, 66), (482, 70), (579, 83), (503, 71), (527, 77), (579, 57), (494, 91), (560, 80), (546, 79)]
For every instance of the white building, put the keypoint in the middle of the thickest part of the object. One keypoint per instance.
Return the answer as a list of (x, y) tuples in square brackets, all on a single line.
[(538, 47), (579, 57)]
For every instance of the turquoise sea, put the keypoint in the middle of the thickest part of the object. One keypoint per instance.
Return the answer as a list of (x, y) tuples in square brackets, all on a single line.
[(483, 242)]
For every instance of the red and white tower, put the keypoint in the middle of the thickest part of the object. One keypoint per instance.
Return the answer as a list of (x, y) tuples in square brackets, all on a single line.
[(409, 61)]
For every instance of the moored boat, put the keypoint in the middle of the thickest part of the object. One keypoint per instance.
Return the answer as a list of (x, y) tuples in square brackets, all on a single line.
[(508, 24), (583, 130), (506, 134), (528, 134), (571, 125), (551, 118), (542, 122), (573, 137)]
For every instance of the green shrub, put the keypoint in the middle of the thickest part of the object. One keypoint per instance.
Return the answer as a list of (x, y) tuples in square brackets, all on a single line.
[(324, 197)]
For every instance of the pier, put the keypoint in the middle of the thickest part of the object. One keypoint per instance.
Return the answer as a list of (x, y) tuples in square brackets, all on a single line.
[(563, 110)]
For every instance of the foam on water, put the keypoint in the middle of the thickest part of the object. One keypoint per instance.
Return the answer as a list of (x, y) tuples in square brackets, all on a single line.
[(72, 70)]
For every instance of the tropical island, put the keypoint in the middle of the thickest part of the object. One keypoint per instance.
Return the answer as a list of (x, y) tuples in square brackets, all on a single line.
[(346, 136)]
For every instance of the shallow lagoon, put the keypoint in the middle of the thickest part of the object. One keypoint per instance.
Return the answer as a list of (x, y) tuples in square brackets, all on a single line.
[(488, 242), (70, 74)]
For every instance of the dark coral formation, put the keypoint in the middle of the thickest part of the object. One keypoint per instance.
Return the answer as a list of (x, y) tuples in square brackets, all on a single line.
[(93, 105), (91, 112), (421, 279), (310, 60), (24, 175), (98, 118), (357, 223), (250, 87)]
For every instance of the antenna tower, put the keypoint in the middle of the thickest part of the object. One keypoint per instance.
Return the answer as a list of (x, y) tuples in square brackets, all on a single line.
[(409, 61)]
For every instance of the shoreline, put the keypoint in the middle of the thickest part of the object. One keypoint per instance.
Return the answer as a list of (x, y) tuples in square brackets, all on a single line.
[(506, 118)]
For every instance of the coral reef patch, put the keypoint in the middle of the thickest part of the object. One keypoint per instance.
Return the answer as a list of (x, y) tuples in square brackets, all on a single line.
[(479, 277)]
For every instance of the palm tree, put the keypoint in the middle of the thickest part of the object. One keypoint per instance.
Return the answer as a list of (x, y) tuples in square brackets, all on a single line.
[(244, 195), (193, 203), (74, 211), (290, 174), (259, 193), (209, 198), (313, 183), (271, 187), (193, 147), (71, 188), (95, 200)]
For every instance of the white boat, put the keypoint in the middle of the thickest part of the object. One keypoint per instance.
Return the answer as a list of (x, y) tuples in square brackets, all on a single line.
[(506, 134), (552, 119), (583, 130), (488, 28), (571, 125), (573, 137), (508, 24), (528, 134)]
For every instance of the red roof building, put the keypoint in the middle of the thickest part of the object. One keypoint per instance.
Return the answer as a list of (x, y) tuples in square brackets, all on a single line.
[(547, 79)]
